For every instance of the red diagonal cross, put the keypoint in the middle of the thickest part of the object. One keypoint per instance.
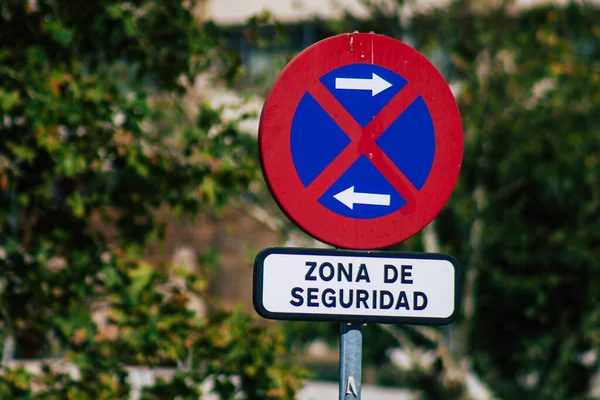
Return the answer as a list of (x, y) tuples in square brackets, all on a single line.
[(363, 142)]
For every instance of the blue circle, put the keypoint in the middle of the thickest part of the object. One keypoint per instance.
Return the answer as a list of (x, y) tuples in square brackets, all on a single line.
[(316, 140)]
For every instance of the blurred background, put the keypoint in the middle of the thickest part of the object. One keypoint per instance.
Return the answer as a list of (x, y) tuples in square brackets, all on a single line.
[(132, 202)]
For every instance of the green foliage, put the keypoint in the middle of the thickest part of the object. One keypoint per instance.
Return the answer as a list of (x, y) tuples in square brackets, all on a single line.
[(238, 347), (94, 141), (542, 262)]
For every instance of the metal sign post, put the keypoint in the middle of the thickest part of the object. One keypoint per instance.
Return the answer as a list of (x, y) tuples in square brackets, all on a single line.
[(350, 361)]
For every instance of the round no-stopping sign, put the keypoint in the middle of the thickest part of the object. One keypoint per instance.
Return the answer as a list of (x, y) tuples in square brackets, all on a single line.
[(361, 141)]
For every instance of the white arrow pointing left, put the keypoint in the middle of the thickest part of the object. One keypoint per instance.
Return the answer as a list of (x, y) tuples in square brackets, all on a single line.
[(349, 198), (375, 84)]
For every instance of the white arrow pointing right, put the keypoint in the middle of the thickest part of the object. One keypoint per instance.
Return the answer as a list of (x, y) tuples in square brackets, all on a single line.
[(349, 198), (375, 84)]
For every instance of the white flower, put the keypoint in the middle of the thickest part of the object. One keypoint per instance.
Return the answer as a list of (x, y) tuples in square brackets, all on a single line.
[(588, 358), (57, 264), (33, 5), (62, 132), (106, 166), (119, 118), (105, 257)]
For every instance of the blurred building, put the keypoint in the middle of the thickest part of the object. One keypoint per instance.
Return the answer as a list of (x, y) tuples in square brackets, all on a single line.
[(303, 21), (236, 12), (306, 22)]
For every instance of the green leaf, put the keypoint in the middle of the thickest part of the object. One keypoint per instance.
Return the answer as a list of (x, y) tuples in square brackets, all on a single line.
[(75, 201), (60, 33), (9, 99), (22, 152), (140, 278), (71, 163)]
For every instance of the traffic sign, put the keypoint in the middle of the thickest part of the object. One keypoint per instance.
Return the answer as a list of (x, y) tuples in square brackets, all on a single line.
[(342, 285), (361, 141)]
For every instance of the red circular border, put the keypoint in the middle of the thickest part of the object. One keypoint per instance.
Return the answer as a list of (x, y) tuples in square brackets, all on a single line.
[(275, 150)]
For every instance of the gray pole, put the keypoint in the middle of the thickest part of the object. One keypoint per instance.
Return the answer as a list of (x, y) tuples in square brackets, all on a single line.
[(350, 361)]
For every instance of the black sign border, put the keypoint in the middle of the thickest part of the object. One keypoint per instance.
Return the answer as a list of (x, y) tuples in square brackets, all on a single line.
[(257, 287)]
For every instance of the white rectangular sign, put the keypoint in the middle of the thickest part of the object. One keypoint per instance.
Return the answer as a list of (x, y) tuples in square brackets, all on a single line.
[(342, 285)]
